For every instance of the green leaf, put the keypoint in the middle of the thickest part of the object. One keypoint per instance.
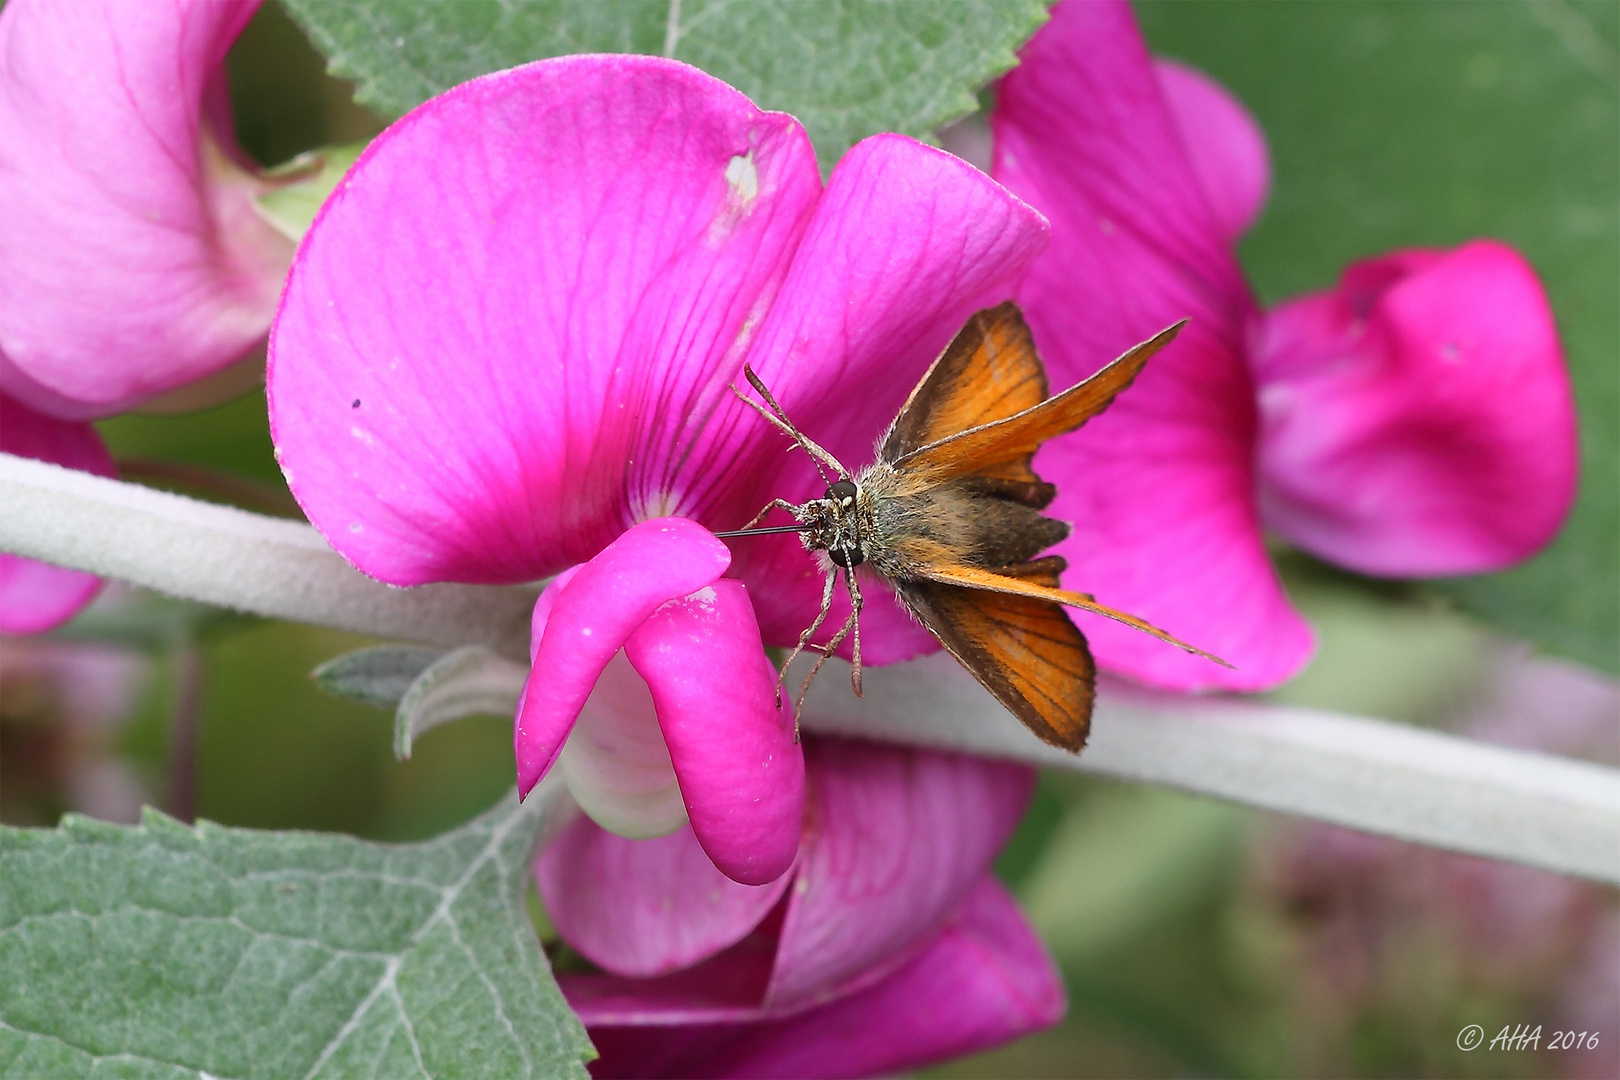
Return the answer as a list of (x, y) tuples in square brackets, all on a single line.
[(377, 676), (1402, 124), (470, 681), (426, 687), (845, 68), (165, 950)]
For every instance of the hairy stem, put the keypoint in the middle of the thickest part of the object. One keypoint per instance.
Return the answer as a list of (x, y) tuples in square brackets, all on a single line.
[(1371, 775)]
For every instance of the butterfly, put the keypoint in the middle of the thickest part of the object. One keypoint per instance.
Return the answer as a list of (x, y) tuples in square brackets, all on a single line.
[(950, 515)]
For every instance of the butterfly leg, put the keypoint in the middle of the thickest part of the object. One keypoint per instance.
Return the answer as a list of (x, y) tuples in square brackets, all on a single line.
[(804, 639), (775, 504), (851, 624), (855, 619)]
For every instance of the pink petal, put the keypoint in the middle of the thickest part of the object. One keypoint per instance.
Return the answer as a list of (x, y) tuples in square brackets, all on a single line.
[(1418, 420), (502, 335), (641, 908), (907, 242), (983, 981), (1159, 488), (132, 259), (589, 619), (895, 838), (734, 749), (726, 987), (1224, 145), (36, 596)]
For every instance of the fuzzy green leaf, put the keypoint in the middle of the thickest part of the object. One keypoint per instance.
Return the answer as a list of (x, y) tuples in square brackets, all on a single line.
[(425, 687), (845, 68), (166, 950), (379, 675)]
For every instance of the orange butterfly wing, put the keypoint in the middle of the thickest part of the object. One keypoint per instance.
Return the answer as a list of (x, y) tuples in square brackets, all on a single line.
[(989, 372), (1008, 443), (1022, 649), (976, 420), (1047, 592)]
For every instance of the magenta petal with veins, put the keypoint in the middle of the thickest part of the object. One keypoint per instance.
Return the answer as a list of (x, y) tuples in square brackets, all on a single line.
[(983, 979), (507, 346)]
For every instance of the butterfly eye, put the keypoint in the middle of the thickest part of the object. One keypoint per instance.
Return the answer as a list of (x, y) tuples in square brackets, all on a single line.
[(846, 556), (843, 493)]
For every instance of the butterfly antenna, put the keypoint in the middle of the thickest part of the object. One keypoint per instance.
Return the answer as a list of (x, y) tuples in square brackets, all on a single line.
[(780, 421)]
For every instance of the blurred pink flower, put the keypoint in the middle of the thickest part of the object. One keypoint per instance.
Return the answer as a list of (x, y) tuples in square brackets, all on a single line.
[(888, 946), (505, 349), (132, 257), (62, 704), (1417, 420)]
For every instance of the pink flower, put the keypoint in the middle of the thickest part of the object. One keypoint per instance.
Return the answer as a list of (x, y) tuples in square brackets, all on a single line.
[(1417, 420), (68, 701), (505, 351), (888, 946), (132, 258)]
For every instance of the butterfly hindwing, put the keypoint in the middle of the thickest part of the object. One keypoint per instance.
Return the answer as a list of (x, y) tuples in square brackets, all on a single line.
[(1016, 581), (1024, 650)]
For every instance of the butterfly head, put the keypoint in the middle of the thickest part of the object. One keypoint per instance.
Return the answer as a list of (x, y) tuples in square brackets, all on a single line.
[(840, 523)]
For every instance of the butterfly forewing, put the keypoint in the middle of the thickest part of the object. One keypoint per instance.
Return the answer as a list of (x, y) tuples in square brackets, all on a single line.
[(1023, 650), (1011, 441), (989, 372)]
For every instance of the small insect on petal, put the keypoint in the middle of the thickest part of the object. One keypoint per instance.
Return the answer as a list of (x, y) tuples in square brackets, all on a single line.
[(950, 514)]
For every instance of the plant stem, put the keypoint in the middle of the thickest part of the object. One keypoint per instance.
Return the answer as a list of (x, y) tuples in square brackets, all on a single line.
[(190, 674)]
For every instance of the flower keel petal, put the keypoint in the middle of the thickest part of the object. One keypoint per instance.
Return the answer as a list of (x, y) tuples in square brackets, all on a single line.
[(589, 620), (741, 771), (615, 762)]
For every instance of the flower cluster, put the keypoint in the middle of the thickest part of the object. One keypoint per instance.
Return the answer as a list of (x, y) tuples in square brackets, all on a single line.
[(504, 355), (511, 360)]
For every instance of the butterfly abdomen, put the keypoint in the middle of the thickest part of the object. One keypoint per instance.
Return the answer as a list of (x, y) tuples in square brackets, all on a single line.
[(959, 522)]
